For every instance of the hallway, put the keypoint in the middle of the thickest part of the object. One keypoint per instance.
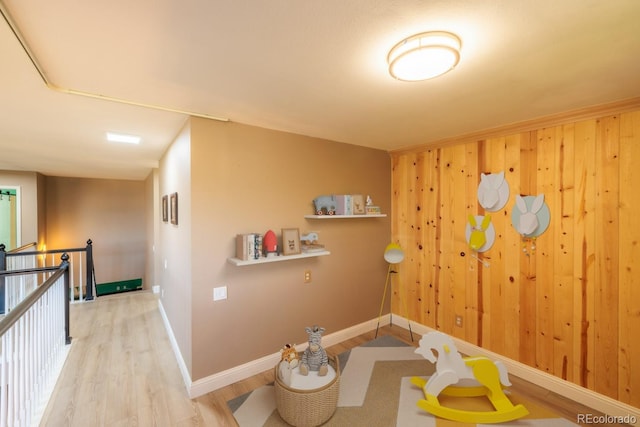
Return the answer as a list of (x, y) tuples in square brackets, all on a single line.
[(121, 370)]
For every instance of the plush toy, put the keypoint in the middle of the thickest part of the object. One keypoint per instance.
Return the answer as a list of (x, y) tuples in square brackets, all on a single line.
[(289, 354), (288, 361), (284, 372), (314, 357)]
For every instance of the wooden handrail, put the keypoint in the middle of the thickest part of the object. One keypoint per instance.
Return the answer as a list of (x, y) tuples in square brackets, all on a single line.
[(19, 310), (22, 248)]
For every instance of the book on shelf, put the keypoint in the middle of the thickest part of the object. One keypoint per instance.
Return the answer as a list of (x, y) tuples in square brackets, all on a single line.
[(343, 204), (350, 204), (249, 246)]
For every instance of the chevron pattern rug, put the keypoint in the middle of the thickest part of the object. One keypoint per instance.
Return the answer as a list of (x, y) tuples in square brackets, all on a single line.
[(375, 391)]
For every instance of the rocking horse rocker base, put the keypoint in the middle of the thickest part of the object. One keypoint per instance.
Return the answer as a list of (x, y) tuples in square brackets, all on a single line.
[(464, 377), (505, 410)]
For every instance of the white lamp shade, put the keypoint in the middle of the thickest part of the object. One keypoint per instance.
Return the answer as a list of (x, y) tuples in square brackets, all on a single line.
[(393, 254)]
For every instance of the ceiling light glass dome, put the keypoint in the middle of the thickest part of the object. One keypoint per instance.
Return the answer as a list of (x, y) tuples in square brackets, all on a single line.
[(424, 56)]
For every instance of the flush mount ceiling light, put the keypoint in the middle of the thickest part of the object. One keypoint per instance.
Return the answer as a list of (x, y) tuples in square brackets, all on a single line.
[(120, 137), (424, 56)]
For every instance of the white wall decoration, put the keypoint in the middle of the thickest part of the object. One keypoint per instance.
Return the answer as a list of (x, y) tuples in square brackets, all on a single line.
[(493, 191)]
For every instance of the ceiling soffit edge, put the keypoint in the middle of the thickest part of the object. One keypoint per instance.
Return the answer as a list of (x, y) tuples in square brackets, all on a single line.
[(50, 85)]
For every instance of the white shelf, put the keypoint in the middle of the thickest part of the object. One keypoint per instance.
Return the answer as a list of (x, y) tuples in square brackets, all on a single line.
[(344, 216), (240, 262)]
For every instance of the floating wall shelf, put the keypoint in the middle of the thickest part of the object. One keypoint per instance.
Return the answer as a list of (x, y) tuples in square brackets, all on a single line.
[(344, 216), (240, 262)]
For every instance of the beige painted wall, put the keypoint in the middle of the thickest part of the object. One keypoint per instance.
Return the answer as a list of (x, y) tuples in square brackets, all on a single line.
[(109, 212), (152, 223), (248, 179), (41, 200), (173, 251)]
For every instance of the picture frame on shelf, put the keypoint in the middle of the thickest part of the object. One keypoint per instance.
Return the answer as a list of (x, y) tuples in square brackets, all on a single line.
[(358, 204), (291, 241), (165, 208), (173, 204)]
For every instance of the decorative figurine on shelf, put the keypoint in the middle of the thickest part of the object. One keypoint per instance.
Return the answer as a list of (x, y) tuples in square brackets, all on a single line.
[(314, 357), (270, 243), (309, 243), (462, 377), (309, 238), (369, 208), (325, 205)]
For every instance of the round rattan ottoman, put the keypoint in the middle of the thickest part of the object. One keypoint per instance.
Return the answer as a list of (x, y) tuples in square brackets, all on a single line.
[(308, 408)]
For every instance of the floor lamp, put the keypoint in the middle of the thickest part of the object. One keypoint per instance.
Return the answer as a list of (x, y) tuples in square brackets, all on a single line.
[(393, 254)]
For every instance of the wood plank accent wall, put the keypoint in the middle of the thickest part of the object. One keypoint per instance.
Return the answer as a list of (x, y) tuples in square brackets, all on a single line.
[(569, 306)]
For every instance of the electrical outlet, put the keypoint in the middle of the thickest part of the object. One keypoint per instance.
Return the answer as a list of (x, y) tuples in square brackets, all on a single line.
[(307, 276), (458, 321)]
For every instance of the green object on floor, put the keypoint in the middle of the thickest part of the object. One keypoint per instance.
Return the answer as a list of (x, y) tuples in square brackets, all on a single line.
[(115, 287)]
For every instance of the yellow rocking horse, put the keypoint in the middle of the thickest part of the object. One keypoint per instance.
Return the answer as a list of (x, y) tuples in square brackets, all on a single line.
[(464, 377)]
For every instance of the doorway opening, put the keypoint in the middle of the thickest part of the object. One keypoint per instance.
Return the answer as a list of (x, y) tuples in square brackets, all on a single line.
[(10, 217)]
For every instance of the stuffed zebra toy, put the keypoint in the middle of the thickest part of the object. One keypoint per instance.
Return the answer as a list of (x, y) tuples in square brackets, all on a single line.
[(314, 357)]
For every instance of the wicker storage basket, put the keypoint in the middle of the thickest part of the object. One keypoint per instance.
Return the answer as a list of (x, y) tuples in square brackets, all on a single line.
[(308, 408)]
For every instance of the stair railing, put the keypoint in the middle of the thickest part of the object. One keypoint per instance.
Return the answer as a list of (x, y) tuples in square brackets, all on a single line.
[(34, 338), (14, 289)]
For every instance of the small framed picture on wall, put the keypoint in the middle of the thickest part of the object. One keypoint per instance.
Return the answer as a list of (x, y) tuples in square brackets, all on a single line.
[(165, 208), (173, 203), (290, 241)]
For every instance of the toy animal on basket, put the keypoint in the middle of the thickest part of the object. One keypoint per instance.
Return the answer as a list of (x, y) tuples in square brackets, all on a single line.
[(288, 361), (289, 354), (314, 357), (464, 377)]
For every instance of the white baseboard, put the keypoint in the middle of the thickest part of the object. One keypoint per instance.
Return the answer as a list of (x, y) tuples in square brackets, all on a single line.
[(238, 373), (186, 377), (568, 389)]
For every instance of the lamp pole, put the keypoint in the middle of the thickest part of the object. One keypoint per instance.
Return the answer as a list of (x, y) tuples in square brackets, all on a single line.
[(393, 254)]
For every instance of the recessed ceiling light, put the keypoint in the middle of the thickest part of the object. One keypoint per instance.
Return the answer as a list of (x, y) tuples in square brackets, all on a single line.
[(121, 137)]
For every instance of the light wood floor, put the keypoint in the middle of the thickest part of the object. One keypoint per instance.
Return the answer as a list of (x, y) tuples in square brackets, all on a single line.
[(121, 371)]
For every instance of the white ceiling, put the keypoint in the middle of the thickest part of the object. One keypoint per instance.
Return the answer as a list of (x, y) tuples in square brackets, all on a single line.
[(313, 67)]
